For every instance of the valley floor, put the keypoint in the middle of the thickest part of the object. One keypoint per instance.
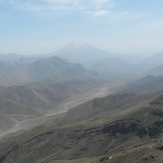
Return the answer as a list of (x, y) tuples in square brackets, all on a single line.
[(69, 103)]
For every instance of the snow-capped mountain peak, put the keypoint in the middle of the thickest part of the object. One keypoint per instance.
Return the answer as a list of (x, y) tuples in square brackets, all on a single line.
[(78, 44)]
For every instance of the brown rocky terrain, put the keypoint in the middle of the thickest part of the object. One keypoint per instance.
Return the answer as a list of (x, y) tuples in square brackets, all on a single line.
[(113, 135)]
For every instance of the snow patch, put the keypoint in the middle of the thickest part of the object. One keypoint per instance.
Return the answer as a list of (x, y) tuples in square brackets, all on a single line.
[(79, 44)]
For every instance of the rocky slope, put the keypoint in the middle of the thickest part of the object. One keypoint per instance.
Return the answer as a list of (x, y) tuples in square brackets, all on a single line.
[(36, 99), (113, 135)]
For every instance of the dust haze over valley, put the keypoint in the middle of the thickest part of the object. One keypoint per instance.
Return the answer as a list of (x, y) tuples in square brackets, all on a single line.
[(81, 82)]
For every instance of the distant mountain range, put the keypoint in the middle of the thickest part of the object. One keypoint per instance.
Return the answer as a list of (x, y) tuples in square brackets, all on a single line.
[(31, 86), (107, 62), (154, 60), (115, 66), (81, 52), (26, 71), (146, 85), (156, 71), (62, 65), (88, 55)]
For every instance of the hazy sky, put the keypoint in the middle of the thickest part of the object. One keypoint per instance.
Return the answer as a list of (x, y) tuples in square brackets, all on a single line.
[(38, 26)]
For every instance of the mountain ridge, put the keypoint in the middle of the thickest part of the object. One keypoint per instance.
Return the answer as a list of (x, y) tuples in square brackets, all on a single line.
[(42, 69)]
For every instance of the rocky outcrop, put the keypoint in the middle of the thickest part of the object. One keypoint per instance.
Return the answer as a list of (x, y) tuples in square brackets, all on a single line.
[(125, 127), (78, 142)]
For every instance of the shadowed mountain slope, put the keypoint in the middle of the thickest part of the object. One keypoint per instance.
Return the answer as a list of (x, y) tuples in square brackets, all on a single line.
[(156, 71), (46, 94), (146, 85), (36, 99), (55, 67), (109, 136)]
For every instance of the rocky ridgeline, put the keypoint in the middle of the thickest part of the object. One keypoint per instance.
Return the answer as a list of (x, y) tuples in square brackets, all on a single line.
[(73, 143)]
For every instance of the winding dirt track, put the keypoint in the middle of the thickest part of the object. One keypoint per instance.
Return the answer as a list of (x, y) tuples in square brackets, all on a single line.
[(64, 107)]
